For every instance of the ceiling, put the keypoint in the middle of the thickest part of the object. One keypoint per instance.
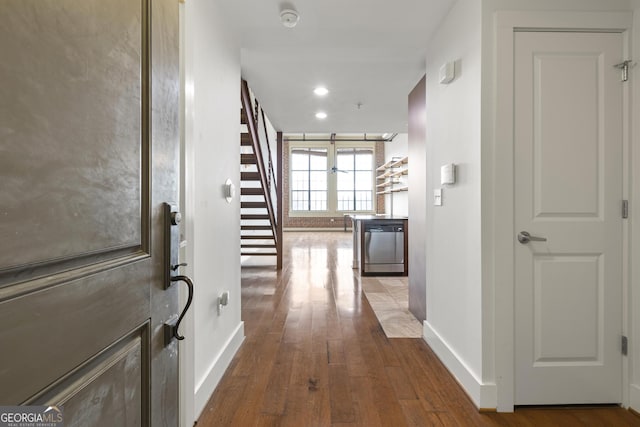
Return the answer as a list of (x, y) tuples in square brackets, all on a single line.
[(367, 52)]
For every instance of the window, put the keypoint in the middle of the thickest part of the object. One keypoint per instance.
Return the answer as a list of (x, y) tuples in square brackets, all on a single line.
[(330, 179), (309, 179), (354, 179)]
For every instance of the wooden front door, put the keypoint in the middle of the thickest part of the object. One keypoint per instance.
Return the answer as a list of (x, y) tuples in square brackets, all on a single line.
[(89, 95)]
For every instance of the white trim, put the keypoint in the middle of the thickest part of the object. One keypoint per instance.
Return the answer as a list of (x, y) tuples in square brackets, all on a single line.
[(206, 386), (634, 397), (484, 396), (565, 21), (501, 151), (186, 348)]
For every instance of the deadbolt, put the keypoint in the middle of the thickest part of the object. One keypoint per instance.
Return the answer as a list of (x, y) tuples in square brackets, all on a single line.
[(176, 217)]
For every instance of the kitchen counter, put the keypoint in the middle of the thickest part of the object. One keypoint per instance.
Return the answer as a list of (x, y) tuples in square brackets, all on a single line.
[(376, 217), (360, 246)]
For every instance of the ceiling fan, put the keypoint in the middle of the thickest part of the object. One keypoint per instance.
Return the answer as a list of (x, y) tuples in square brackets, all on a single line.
[(335, 169)]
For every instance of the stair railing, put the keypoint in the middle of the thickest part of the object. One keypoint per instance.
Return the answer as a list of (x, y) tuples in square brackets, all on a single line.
[(257, 149), (270, 167)]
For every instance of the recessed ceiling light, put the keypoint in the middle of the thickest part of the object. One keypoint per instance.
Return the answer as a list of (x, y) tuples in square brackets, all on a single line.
[(321, 91), (321, 115)]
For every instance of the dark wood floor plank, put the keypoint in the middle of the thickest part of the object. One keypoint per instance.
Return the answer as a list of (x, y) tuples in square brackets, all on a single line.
[(268, 420), (355, 360), (385, 348), (335, 352), (342, 406), (400, 383), (361, 391), (319, 413), (296, 412), (263, 360), (315, 355), (421, 377), (417, 416), (275, 397), (231, 395)]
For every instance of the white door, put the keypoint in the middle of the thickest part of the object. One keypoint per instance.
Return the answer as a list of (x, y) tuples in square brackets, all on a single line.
[(568, 172)]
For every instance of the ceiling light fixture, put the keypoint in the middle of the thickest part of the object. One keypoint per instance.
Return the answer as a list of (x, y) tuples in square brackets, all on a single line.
[(321, 91), (321, 115), (289, 18)]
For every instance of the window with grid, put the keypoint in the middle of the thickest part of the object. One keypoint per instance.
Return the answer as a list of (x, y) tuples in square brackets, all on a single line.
[(308, 179), (355, 190)]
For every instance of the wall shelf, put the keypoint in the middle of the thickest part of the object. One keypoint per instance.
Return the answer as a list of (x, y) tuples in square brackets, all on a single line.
[(391, 174)]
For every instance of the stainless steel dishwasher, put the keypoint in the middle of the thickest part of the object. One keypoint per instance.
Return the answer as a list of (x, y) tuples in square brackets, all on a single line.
[(383, 247)]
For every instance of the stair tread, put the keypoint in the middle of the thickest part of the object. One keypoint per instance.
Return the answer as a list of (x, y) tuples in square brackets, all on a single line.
[(255, 227), (256, 237), (258, 254), (248, 159), (256, 246), (250, 176), (251, 191), (254, 216), (253, 205), (245, 140)]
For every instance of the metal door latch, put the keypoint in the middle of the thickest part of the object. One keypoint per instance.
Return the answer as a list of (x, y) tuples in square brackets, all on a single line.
[(172, 219), (171, 327), (525, 237)]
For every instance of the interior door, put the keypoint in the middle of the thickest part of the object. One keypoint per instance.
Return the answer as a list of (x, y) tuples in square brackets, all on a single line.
[(88, 154), (568, 168)]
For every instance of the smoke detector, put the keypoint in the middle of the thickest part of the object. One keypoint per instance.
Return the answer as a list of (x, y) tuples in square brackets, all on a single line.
[(289, 18)]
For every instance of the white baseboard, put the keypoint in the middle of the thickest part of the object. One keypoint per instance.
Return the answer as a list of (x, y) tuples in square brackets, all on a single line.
[(634, 397), (484, 396), (206, 386)]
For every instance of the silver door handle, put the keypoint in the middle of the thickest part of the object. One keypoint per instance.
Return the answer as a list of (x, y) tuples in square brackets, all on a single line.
[(524, 237)]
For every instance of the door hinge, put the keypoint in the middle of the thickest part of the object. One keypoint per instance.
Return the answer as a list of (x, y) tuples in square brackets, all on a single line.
[(624, 67), (624, 345), (625, 209)]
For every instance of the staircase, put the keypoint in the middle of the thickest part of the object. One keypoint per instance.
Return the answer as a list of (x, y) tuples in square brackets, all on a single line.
[(260, 230)]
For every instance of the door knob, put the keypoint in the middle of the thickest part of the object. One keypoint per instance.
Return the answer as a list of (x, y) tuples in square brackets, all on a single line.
[(525, 237)]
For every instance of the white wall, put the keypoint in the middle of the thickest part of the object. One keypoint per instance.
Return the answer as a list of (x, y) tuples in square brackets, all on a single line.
[(212, 123), (454, 289), (399, 147)]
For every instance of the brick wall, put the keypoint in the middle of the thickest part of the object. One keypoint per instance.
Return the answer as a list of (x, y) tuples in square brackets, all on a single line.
[(319, 221)]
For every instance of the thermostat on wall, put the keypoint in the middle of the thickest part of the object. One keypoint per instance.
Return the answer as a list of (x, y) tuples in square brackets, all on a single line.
[(448, 174), (447, 73)]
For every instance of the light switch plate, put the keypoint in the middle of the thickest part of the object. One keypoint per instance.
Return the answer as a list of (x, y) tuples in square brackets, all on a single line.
[(437, 197)]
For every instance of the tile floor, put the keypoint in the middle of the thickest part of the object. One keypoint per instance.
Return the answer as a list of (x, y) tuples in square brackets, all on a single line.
[(389, 298)]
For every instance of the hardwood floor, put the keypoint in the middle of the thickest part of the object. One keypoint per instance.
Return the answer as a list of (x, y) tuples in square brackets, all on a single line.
[(315, 355)]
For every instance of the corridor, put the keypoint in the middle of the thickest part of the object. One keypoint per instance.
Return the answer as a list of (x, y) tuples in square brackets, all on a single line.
[(315, 355)]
